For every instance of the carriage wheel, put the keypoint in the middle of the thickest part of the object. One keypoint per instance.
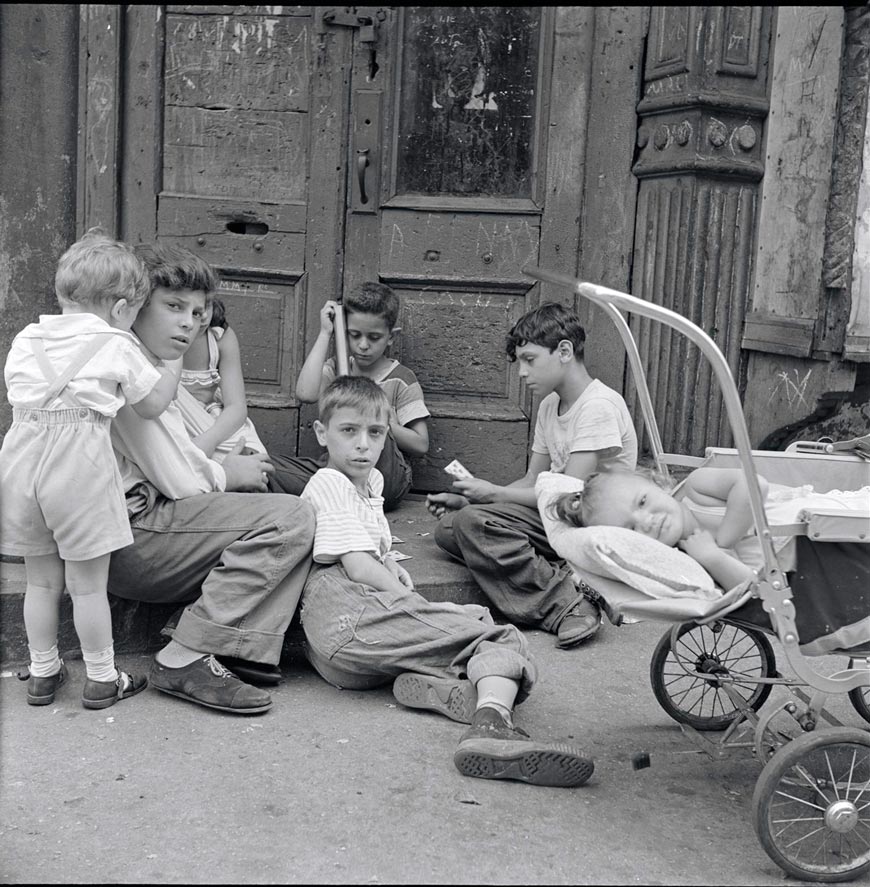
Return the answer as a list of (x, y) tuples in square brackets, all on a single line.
[(810, 806), (860, 698), (676, 676)]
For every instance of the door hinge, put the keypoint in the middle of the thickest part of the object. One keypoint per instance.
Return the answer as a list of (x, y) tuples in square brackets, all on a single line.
[(366, 18)]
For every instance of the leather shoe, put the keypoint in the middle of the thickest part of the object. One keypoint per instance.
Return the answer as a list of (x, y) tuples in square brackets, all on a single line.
[(40, 691), (252, 672), (206, 682), (580, 622), (102, 694)]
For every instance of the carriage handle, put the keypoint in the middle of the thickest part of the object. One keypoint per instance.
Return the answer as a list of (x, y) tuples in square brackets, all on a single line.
[(773, 589), (612, 300)]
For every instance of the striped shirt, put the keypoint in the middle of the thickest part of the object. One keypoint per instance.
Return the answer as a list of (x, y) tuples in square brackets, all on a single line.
[(346, 520)]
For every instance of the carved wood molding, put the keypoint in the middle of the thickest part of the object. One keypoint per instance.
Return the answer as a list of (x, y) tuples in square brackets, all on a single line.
[(704, 95)]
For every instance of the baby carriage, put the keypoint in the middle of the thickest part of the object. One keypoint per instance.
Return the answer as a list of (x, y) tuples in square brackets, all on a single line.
[(714, 669)]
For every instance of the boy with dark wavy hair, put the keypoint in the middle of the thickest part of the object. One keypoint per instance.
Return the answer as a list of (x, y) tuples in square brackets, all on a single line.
[(582, 426)]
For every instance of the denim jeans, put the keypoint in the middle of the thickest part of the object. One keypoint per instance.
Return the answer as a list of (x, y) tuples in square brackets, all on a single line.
[(240, 559), (506, 549), (293, 472), (359, 637)]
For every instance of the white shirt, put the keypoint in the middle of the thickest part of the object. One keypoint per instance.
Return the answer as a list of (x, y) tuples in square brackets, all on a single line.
[(161, 452), (598, 421), (346, 519), (118, 373)]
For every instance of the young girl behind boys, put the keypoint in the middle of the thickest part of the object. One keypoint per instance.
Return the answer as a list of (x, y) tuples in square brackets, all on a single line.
[(62, 503), (212, 375)]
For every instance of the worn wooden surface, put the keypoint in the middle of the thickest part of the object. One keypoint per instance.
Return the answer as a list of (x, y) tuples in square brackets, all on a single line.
[(609, 196), (142, 123), (699, 163), (38, 89), (455, 254), (783, 383), (857, 346), (800, 136), (99, 115)]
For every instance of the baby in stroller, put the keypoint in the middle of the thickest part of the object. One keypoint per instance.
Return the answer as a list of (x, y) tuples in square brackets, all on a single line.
[(707, 515)]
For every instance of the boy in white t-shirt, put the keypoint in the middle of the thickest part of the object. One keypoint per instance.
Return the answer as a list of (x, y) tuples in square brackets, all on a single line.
[(582, 426), (61, 500), (365, 625)]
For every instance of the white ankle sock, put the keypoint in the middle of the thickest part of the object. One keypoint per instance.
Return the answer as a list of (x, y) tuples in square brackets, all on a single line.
[(503, 710), (100, 664), (44, 664)]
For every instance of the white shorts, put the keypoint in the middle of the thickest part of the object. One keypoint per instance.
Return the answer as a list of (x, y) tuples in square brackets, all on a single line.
[(60, 488)]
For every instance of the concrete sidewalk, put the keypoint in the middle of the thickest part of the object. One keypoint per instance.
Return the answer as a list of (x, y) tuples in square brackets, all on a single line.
[(348, 787)]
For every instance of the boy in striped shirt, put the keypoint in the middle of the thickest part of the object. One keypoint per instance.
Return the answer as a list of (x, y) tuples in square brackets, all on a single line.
[(365, 625)]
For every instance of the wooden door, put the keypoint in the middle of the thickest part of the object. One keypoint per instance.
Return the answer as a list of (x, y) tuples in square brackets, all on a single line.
[(223, 129), (302, 150), (449, 189)]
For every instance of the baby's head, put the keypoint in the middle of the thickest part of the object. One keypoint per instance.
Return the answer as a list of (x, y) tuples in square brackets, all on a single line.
[(635, 500), (354, 418), (96, 273)]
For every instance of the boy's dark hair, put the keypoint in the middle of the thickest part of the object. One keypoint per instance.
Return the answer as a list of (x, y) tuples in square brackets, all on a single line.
[(358, 392), (218, 314), (176, 268), (374, 298), (546, 326)]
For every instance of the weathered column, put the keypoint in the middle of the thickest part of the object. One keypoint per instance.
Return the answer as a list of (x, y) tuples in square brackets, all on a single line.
[(699, 162), (38, 88)]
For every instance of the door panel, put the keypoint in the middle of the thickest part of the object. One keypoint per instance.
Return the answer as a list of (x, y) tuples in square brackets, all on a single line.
[(235, 173), (234, 130)]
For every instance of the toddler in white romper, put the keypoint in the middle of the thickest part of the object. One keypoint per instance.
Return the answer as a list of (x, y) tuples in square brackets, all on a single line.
[(62, 504)]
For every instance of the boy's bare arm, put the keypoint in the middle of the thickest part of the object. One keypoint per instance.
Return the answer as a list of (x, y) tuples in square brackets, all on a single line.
[(161, 395), (309, 382), (519, 492), (412, 438), (363, 567)]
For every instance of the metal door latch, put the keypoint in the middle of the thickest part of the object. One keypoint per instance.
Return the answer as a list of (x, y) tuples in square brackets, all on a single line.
[(366, 18)]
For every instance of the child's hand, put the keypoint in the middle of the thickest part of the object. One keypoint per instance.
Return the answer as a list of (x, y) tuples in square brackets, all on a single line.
[(476, 490), (700, 545), (439, 503), (400, 573), (327, 316), (247, 474)]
